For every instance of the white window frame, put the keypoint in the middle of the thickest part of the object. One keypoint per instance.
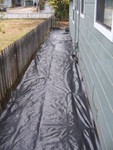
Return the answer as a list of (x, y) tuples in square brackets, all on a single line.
[(101, 28), (82, 14)]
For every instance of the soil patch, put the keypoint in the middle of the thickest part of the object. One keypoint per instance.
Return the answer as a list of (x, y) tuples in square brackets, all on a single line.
[(63, 24)]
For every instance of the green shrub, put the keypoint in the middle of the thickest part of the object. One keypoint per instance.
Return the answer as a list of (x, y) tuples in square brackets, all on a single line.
[(61, 8)]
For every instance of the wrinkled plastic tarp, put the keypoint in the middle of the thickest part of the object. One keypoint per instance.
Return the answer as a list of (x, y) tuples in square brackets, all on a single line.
[(49, 109)]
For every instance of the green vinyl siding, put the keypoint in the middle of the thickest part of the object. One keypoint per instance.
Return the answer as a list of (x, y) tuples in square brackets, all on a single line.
[(96, 62)]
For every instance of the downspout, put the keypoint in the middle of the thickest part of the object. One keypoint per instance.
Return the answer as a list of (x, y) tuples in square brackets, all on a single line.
[(75, 18), (77, 22), (77, 41)]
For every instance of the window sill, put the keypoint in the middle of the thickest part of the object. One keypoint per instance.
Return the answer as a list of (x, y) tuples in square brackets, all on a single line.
[(82, 16), (106, 32)]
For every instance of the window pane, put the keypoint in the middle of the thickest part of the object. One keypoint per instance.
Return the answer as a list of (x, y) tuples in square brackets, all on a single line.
[(82, 6), (108, 12), (104, 12), (77, 4)]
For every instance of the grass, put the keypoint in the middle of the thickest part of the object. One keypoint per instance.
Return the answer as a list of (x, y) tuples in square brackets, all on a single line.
[(11, 30)]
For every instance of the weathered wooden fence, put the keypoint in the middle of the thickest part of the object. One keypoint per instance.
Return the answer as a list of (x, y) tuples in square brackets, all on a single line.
[(15, 59), (55, 23)]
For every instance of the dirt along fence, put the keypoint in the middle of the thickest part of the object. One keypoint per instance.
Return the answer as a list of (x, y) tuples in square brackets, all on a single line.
[(15, 59)]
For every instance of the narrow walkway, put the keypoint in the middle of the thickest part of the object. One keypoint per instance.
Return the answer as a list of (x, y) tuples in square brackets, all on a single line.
[(49, 109)]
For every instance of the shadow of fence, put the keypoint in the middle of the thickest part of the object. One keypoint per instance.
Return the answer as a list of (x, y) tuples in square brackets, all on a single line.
[(15, 59)]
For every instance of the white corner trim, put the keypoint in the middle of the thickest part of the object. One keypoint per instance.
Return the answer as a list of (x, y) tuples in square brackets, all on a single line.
[(112, 27)]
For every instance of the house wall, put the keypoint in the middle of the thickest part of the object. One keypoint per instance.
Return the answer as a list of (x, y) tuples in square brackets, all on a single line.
[(96, 63), (8, 3), (22, 3), (28, 3)]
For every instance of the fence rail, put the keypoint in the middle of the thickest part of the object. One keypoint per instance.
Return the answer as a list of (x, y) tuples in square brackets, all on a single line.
[(15, 59)]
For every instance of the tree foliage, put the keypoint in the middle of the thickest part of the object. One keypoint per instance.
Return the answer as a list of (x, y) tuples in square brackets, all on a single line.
[(61, 7)]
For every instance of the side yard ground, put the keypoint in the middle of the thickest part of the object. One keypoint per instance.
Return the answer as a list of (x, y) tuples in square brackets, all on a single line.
[(49, 110)]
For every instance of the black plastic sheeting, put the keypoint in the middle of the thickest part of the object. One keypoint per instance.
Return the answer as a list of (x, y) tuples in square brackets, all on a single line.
[(49, 109)]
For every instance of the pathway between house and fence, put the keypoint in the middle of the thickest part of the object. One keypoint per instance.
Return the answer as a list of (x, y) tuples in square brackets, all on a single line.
[(49, 109)]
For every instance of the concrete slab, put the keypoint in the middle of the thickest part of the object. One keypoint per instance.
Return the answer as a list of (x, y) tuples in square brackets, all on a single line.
[(28, 12)]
